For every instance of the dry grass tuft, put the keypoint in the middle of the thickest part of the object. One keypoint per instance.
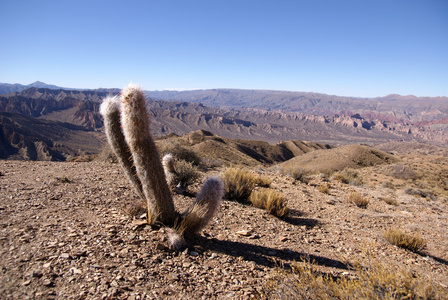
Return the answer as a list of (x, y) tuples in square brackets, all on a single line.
[(239, 184), (263, 181), (324, 188), (271, 200), (403, 240), (390, 201), (375, 281), (358, 199)]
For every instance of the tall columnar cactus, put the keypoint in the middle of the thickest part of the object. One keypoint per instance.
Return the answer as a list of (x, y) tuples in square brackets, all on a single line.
[(127, 128)]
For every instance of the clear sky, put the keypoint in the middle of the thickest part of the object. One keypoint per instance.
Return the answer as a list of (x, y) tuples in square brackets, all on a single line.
[(361, 48)]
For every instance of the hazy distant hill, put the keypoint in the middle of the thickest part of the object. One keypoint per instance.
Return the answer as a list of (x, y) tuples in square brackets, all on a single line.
[(81, 108), (6, 88), (393, 108)]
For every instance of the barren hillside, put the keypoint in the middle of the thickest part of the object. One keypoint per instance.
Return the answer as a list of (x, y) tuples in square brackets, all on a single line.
[(66, 231)]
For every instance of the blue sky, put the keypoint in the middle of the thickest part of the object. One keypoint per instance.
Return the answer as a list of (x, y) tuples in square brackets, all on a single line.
[(348, 48)]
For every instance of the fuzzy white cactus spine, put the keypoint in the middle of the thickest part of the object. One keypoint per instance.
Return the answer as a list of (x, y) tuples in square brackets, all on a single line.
[(204, 208), (168, 167), (110, 110), (136, 130)]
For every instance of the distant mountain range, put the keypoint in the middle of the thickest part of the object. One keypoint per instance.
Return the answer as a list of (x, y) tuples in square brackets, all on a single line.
[(271, 116)]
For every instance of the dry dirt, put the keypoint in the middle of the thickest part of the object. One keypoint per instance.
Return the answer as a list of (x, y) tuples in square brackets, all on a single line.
[(64, 234)]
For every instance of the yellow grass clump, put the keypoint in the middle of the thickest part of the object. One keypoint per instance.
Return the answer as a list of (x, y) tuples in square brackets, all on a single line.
[(412, 242), (324, 188), (377, 280), (358, 199), (271, 200), (238, 184)]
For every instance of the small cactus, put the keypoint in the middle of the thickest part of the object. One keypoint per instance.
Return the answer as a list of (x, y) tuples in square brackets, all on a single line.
[(127, 128)]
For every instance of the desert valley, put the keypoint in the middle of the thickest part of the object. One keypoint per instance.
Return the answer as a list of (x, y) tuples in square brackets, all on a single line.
[(364, 183)]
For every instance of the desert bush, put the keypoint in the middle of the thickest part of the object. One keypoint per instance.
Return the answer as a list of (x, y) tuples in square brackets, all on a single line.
[(358, 199), (179, 173), (348, 176), (376, 280), (180, 152), (388, 185), (271, 200), (324, 188), (400, 171), (390, 201), (412, 242), (421, 193), (298, 174), (239, 184)]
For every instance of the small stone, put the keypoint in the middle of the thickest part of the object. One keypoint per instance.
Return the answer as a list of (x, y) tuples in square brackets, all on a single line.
[(194, 253), (27, 282), (47, 265), (75, 270), (47, 282), (78, 253), (37, 273), (283, 239), (64, 255), (243, 232), (172, 277)]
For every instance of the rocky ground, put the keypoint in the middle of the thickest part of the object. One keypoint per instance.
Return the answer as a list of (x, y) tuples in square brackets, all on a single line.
[(66, 233)]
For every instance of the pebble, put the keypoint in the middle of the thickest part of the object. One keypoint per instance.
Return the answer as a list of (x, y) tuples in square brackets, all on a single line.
[(244, 232)]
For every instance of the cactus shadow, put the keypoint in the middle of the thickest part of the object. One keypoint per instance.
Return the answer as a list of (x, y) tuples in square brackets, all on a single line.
[(296, 217), (266, 256)]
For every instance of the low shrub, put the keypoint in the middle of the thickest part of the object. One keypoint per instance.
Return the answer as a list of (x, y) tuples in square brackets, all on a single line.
[(298, 174), (180, 153), (404, 172), (186, 174), (358, 199), (348, 176), (412, 242), (271, 200), (239, 184), (421, 193)]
